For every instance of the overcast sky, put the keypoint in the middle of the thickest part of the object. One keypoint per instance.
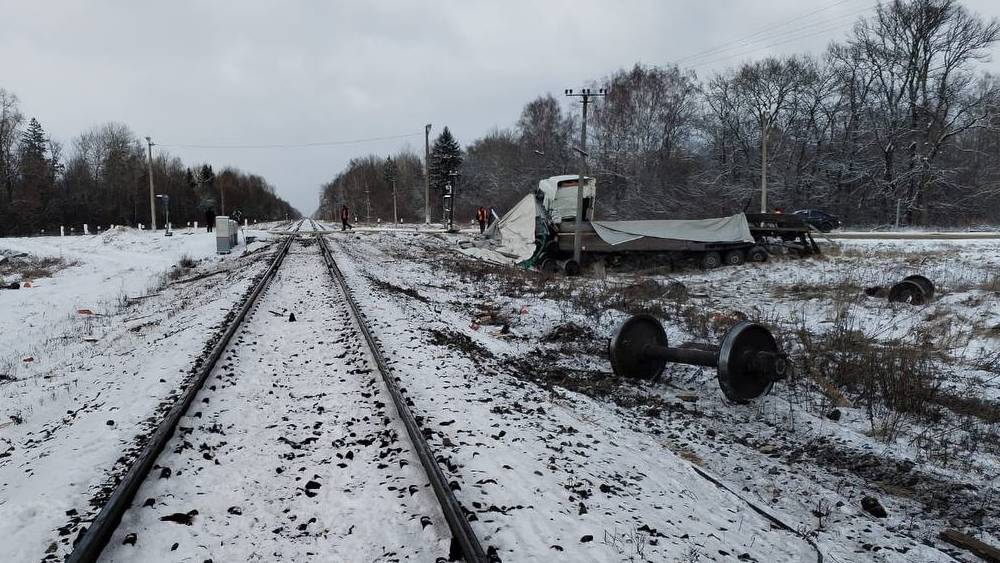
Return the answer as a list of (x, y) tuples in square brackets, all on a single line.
[(254, 72)]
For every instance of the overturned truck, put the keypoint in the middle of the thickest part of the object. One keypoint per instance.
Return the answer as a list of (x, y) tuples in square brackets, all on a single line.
[(539, 231)]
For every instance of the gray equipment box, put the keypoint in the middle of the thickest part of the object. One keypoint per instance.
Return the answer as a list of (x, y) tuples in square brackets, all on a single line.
[(226, 234)]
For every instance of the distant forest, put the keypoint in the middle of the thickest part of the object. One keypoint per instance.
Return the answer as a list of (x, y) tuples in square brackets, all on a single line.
[(895, 119), (103, 180)]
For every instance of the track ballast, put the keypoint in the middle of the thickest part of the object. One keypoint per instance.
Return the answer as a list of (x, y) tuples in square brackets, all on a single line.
[(292, 449)]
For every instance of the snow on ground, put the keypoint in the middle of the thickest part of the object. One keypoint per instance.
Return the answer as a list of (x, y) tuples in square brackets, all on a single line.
[(783, 452), (286, 455), (549, 474), (507, 370), (96, 377)]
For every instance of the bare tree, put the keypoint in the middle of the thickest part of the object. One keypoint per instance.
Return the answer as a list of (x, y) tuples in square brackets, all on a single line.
[(919, 53), (10, 132)]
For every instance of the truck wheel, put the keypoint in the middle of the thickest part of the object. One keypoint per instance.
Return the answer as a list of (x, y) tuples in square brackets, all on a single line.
[(757, 254), (711, 260), (572, 268), (548, 266), (734, 258)]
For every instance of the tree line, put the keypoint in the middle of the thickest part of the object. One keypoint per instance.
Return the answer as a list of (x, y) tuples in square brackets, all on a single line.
[(104, 180), (896, 121)]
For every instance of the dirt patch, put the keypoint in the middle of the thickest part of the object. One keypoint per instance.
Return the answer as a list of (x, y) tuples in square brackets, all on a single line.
[(545, 368), (408, 291), (569, 332), (949, 500), (28, 267), (459, 341)]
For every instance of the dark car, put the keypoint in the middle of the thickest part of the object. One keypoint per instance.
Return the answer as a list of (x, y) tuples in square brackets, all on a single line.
[(822, 220)]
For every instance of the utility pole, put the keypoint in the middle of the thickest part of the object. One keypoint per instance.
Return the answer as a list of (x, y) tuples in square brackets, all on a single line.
[(395, 215), (763, 165), (585, 96), (452, 190), (427, 174), (152, 196), (368, 205)]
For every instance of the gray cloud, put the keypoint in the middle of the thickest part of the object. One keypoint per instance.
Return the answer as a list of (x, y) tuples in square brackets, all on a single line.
[(263, 72)]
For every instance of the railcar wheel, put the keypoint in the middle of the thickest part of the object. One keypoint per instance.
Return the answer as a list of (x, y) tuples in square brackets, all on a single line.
[(925, 284), (749, 362), (627, 346), (907, 291)]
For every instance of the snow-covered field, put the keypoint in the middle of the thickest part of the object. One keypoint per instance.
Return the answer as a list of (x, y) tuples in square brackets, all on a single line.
[(87, 356), (507, 371)]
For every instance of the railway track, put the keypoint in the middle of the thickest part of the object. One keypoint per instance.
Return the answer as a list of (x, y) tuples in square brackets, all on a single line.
[(284, 444)]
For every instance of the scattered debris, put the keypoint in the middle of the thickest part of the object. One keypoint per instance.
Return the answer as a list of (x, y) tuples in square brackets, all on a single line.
[(969, 543), (872, 506), (914, 289), (180, 517)]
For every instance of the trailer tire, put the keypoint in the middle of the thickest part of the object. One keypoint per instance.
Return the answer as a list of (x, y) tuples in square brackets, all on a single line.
[(548, 266), (734, 258), (711, 260), (572, 268), (757, 254)]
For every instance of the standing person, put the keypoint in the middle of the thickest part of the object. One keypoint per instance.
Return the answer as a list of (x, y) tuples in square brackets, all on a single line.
[(209, 218), (345, 214), (481, 217)]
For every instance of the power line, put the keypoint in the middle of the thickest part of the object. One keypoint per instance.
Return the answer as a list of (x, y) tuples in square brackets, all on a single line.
[(293, 145), (781, 38), (760, 31), (785, 40)]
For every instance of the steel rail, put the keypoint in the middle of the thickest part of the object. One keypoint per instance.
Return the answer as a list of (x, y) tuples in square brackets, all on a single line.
[(454, 514), (97, 536)]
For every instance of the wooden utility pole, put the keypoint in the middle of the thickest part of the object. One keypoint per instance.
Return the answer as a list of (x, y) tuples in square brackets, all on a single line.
[(763, 165), (368, 205), (585, 95), (395, 214), (427, 174), (152, 196)]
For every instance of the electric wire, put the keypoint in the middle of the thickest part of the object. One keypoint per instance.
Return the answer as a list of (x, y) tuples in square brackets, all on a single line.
[(767, 28), (783, 41), (809, 30), (290, 145)]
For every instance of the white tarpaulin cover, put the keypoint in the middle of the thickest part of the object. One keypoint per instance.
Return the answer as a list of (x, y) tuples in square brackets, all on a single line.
[(723, 229), (516, 230)]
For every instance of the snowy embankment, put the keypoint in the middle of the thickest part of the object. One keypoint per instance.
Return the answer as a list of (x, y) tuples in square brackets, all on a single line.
[(88, 354), (589, 464)]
